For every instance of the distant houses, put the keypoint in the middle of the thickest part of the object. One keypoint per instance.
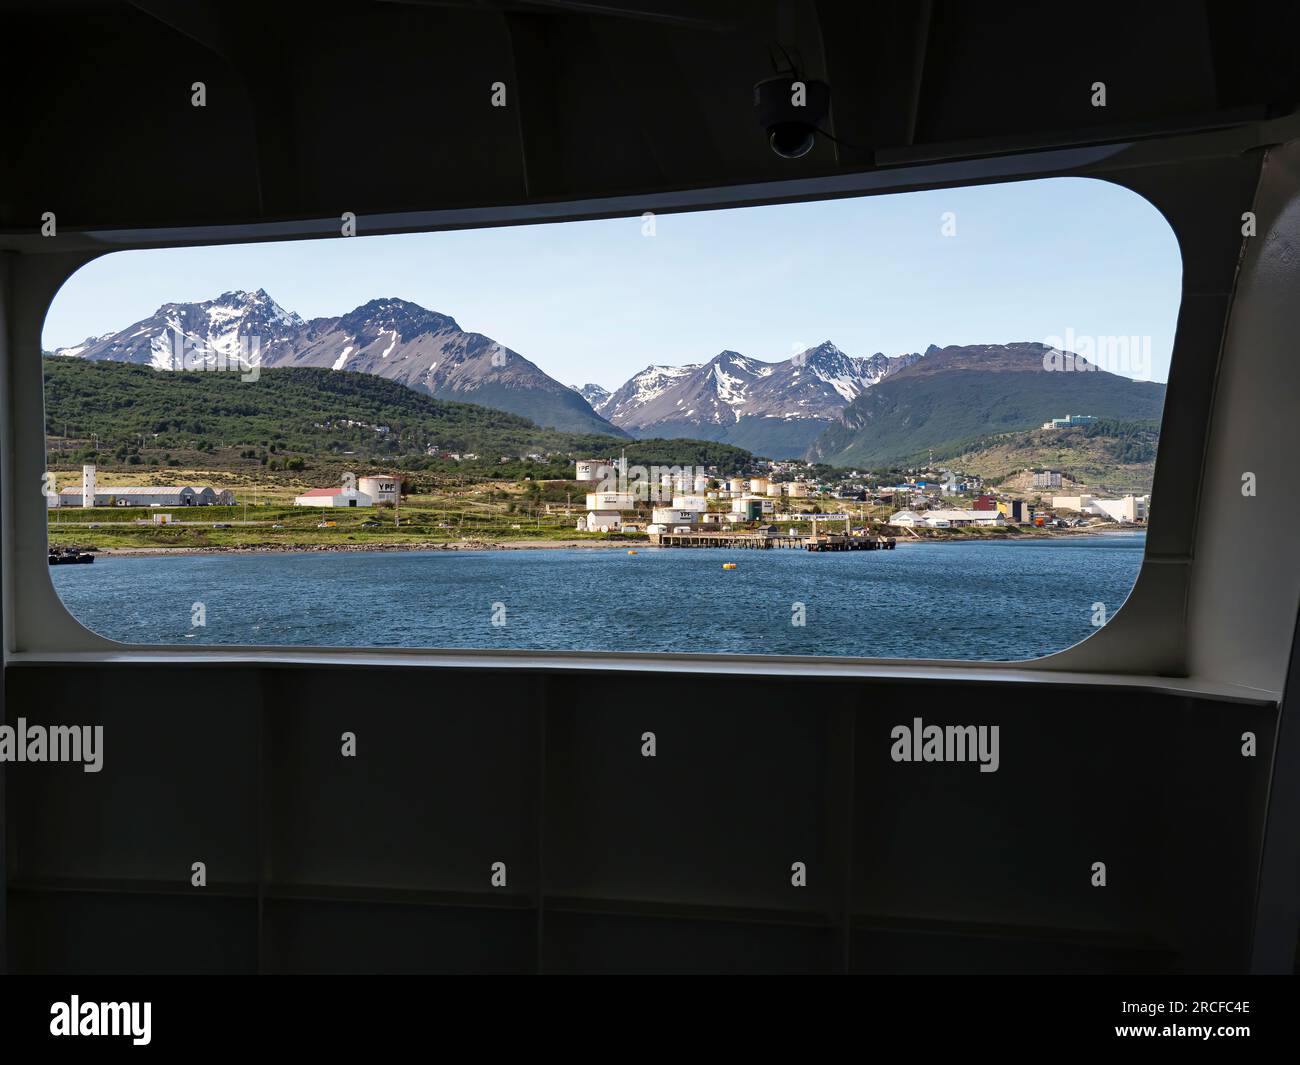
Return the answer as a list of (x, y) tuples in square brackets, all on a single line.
[(1070, 421), (989, 512)]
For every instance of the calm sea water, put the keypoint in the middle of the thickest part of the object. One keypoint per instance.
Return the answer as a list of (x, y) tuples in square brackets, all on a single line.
[(999, 600)]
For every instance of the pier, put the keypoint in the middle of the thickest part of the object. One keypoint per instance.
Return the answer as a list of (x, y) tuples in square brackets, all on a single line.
[(760, 542)]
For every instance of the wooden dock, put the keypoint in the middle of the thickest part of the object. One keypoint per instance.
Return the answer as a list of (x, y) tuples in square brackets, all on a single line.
[(758, 542)]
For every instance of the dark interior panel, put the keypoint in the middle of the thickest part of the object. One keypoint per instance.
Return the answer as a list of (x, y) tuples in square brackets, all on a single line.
[(613, 859)]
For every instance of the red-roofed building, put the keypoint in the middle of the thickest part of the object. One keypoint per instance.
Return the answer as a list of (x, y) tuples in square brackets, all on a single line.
[(333, 497)]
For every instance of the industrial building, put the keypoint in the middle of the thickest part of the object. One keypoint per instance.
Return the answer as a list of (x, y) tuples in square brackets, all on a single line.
[(333, 497), (93, 494), (948, 519), (149, 496), (1129, 508), (601, 521), (1017, 511), (752, 506)]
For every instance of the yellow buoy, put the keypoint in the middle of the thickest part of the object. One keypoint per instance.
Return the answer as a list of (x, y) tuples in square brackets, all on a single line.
[(728, 565), (631, 552)]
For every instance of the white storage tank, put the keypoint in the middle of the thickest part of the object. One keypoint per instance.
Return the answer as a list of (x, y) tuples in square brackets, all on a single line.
[(591, 471), (382, 489), (773, 489), (797, 490), (673, 516), (603, 501), (736, 486), (758, 485)]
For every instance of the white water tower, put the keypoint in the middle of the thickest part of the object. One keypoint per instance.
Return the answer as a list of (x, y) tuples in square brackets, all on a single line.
[(88, 486)]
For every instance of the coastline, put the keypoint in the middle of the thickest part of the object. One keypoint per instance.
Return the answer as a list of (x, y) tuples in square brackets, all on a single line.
[(554, 545), (347, 549)]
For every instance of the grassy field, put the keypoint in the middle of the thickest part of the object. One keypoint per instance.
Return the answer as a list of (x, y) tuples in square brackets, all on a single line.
[(496, 512)]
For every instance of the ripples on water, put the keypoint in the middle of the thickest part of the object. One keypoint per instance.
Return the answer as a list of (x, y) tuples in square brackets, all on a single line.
[(1000, 600)]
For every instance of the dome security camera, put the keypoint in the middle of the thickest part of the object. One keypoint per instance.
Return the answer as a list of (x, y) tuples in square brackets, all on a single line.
[(791, 110)]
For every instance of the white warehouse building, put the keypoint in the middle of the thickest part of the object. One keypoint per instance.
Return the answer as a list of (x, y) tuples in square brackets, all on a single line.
[(333, 497), (92, 494), (1125, 509), (148, 496), (946, 519)]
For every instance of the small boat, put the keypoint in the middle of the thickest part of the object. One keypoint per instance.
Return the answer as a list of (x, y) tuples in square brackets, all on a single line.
[(728, 565), (70, 556)]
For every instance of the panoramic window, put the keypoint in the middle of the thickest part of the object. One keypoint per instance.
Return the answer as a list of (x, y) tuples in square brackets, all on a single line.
[(916, 426)]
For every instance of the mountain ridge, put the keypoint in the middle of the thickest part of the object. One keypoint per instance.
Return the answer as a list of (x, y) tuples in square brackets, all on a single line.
[(772, 408), (388, 337), (963, 392)]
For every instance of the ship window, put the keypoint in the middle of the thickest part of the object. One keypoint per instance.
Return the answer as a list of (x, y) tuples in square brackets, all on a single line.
[(920, 426)]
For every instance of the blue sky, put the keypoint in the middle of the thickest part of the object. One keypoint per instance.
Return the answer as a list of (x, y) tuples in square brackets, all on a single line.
[(598, 301)]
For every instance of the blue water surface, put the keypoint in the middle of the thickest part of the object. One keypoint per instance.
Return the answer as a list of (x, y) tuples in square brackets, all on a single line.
[(999, 600)]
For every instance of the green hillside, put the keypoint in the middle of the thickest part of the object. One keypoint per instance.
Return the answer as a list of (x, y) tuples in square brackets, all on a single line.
[(959, 395), (1111, 456), (314, 416)]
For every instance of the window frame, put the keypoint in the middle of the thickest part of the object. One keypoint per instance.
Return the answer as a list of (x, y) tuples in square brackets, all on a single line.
[(1146, 636)]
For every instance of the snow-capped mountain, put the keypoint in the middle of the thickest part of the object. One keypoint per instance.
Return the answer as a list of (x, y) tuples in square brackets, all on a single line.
[(774, 409), (391, 338), (177, 335), (593, 394), (643, 389)]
